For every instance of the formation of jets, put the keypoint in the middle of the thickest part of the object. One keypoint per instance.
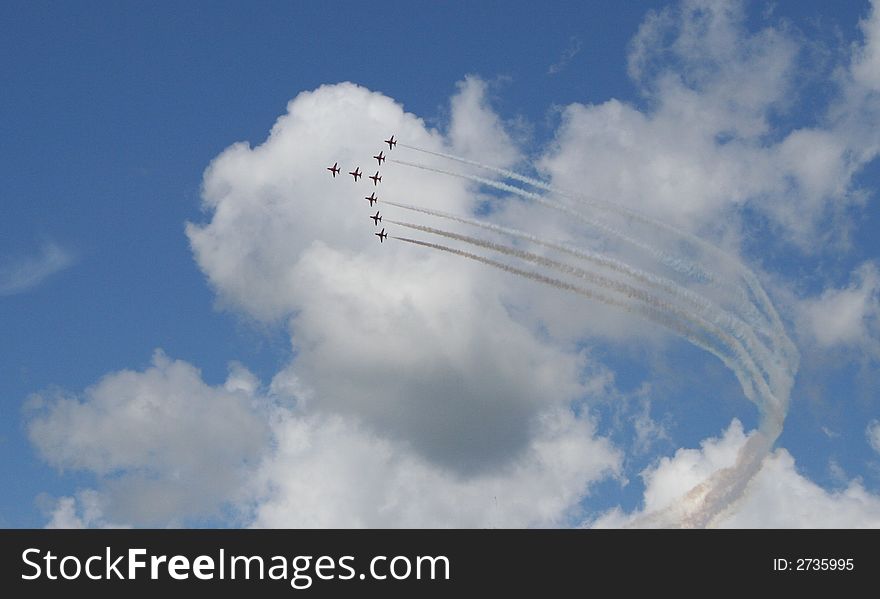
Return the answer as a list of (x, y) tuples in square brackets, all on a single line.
[(377, 178)]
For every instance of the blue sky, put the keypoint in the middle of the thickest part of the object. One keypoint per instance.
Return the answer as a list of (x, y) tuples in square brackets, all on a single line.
[(112, 112)]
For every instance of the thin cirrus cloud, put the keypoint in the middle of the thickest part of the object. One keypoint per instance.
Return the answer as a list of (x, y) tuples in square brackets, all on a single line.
[(572, 50), (19, 274)]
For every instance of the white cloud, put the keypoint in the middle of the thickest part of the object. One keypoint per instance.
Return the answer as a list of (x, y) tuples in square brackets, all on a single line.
[(418, 345), (866, 64), (708, 143), (64, 515), (330, 472), (475, 131), (873, 434), (84, 510), (848, 316), (433, 359), (778, 496), (19, 274), (648, 432), (168, 449), (163, 443), (269, 204), (572, 50)]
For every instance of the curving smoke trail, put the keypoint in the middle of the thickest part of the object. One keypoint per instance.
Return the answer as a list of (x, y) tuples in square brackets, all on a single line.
[(765, 370), (648, 312), (778, 368), (709, 309), (678, 264), (743, 364), (784, 367), (683, 266), (754, 286), (744, 271)]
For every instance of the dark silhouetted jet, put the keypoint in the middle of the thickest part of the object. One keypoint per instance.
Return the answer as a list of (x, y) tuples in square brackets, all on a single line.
[(376, 178), (372, 199), (380, 157), (356, 173), (391, 142), (376, 218), (334, 169), (381, 235)]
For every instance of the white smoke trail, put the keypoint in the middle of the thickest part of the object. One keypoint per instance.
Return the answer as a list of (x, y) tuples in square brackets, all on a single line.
[(647, 312), (676, 263), (598, 259), (761, 324), (784, 369), (744, 364), (786, 345), (682, 266), (739, 328), (501, 171), (717, 495)]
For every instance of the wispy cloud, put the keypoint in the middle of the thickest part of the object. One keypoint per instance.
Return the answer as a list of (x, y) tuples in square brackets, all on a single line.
[(21, 273), (873, 434), (574, 46)]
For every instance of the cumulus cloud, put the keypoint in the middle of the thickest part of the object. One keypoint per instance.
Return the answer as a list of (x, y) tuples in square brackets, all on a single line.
[(448, 371), (163, 443), (168, 449), (417, 345), (19, 274), (330, 472), (778, 497), (848, 316), (709, 141), (475, 130), (269, 204)]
